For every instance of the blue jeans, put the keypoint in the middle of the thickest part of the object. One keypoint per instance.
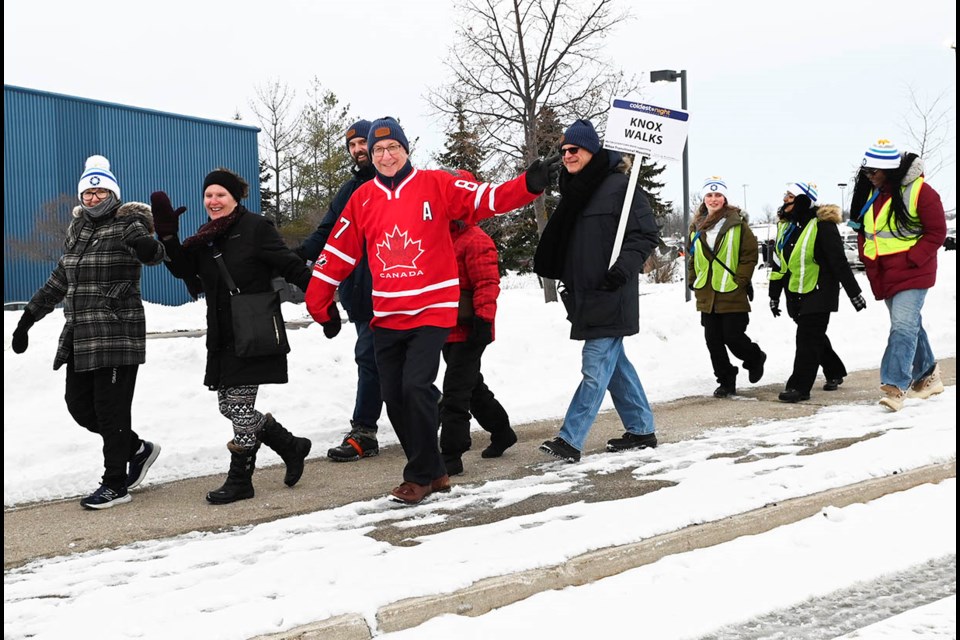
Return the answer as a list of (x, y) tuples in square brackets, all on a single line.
[(605, 367), (908, 356)]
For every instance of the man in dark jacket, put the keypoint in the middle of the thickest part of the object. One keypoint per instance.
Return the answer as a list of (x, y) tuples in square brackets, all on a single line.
[(602, 304), (355, 296)]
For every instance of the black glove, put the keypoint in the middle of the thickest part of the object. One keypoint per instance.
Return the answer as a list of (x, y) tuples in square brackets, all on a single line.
[(775, 307), (858, 302), (542, 173), (20, 340), (482, 332), (145, 247), (332, 326), (613, 279), (166, 219)]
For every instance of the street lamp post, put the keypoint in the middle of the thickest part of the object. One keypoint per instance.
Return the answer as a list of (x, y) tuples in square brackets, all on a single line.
[(745, 197), (843, 186), (669, 75)]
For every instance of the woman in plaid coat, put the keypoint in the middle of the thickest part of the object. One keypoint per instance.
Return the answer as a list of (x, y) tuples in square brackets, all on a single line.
[(103, 342)]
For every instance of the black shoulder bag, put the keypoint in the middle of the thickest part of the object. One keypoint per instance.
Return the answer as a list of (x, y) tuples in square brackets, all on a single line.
[(258, 328)]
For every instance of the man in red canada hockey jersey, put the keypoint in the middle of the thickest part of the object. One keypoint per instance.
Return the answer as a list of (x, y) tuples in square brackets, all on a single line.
[(402, 217)]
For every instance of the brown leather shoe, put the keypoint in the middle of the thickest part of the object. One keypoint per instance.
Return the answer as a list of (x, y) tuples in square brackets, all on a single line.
[(441, 484), (411, 492)]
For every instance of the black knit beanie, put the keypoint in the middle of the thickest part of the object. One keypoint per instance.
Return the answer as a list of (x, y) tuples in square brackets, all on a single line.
[(234, 184)]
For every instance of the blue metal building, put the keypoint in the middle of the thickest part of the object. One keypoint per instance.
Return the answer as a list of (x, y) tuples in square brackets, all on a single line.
[(47, 137)]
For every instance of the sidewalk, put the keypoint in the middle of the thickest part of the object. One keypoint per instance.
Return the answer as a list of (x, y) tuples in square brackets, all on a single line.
[(163, 511)]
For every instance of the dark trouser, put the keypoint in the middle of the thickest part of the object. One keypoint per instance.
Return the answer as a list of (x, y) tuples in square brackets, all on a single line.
[(728, 330), (100, 401), (369, 403), (813, 351), (465, 393), (408, 362)]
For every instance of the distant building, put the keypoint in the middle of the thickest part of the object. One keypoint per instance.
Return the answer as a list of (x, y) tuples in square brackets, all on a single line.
[(47, 137)]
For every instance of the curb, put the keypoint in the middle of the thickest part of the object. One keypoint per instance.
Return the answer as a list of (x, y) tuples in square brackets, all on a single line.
[(491, 593)]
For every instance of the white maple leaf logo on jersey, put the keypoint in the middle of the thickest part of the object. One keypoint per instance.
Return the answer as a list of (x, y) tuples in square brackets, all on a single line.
[(397, 251)]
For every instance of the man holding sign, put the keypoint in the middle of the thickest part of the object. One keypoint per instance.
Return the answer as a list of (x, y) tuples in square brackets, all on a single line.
[(599, 286)]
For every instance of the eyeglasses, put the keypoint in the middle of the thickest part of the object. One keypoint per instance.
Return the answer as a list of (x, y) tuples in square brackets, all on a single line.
[(392, 149), (869, 172), (99, 194), (571, 150)]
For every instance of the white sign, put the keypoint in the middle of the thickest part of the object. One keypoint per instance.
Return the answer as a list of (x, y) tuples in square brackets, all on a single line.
[(656, 132)]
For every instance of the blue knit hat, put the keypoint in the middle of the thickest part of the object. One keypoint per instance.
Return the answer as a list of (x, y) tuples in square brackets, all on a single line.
[(882, 154), (582, 134), (386, 129), (358, 129), (808, 189), (714, 184)]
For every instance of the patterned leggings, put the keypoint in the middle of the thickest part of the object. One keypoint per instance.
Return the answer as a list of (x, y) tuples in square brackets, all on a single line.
[(236, 404)]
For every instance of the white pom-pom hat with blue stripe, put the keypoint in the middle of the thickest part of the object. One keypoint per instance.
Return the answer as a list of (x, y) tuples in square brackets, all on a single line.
[(808, 189), (97, 175), (714, 184), (882, 155)]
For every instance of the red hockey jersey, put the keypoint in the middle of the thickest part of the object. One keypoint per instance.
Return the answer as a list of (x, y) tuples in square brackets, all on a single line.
[(406, 233)]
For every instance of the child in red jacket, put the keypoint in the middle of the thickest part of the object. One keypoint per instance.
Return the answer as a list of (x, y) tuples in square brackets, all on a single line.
[(464, 391)]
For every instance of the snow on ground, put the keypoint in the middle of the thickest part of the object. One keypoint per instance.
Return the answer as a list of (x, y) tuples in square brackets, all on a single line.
[(280, 574), (533, 368)]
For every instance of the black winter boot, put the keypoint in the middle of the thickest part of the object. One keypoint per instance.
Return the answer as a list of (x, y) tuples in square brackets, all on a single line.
[(239, 484), (290, 448), (361, 442)]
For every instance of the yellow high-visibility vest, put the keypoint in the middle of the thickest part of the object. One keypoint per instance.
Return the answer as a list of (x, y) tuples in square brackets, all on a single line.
[(728, 251), (884, 242)]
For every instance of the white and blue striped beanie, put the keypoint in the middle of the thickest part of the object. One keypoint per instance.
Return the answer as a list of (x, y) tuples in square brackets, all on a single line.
[(97, 175), (808, 189), (714, 184), (882, 155)]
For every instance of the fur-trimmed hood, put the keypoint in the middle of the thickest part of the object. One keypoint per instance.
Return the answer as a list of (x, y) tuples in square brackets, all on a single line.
[(829, 213), (914, 171), (139, 209)]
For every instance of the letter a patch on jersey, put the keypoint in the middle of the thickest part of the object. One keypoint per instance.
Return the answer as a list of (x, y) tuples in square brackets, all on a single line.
[(427, 213), (397, 251)]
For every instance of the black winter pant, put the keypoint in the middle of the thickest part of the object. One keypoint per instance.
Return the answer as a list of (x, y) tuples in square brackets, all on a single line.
[(369, 403), (100, 401), (813, 351), (465, 393), (408, 362), (728, 330)]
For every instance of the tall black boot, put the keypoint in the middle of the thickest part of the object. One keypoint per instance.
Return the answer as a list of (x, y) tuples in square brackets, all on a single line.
[(290, 448), (239, 484)]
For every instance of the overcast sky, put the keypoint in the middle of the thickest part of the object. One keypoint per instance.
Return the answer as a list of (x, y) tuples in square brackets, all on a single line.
[(776, 93)]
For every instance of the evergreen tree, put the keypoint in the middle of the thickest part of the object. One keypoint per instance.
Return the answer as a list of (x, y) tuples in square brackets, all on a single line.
[(462, 149), (267, 206)]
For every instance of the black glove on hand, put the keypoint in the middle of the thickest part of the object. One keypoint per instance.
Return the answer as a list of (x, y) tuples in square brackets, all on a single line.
[(332, 326), (166, 219), (858, 302), (482, 332), (775, 307), (20, 339), (613, 279), (542, 173), (145, 247)]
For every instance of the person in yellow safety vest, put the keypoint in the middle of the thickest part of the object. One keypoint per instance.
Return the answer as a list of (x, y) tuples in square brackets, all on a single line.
[(723, 254), (813, 266), (900, 226)]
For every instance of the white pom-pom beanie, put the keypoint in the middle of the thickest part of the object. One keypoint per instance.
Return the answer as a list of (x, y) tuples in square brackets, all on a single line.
[(97, 175)]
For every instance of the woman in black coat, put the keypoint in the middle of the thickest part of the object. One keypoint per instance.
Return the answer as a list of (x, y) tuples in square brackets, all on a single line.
[(253, 253), (813, 266)]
